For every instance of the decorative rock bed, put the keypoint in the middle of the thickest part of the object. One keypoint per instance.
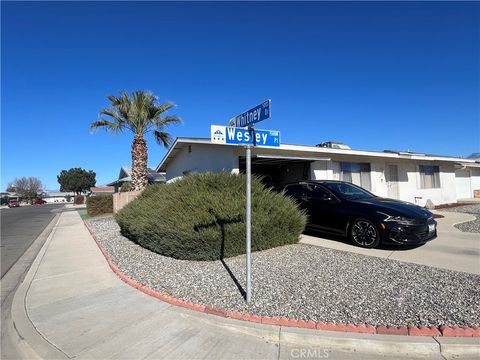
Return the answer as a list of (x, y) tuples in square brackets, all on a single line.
[(469, 226), (306, 283)]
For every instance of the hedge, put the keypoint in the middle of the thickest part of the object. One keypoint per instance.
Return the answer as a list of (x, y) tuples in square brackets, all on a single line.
[(99, 204), (202, 217)]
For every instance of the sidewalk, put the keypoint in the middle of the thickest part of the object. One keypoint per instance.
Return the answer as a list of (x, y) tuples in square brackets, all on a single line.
[(72, 305)]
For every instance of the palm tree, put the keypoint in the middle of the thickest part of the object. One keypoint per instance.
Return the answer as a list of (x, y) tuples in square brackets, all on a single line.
[(140, 113)]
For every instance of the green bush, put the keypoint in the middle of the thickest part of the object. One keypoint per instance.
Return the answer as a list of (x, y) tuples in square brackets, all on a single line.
[(99, 204), (202, 217)]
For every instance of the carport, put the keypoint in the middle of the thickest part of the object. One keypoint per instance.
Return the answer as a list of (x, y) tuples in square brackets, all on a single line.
[(278, 170)]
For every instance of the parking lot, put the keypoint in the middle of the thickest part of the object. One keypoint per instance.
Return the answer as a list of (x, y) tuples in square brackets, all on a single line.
[(452, 249)]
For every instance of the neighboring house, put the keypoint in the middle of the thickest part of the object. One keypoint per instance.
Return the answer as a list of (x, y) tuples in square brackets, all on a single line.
[(102, 190), (5, 197), (407, 176), (58, 196), (125, 177)]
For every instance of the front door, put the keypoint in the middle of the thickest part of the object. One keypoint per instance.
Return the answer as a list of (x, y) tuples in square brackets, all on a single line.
[(391, 177)]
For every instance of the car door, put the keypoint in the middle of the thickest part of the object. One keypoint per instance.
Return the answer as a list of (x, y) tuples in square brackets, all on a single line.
[(296, 192), (324, 209)]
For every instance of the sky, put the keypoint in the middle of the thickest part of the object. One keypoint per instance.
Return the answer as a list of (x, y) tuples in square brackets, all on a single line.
[(380, 75)]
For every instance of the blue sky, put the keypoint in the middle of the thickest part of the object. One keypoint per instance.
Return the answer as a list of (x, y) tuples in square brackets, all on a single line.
[(375, 75)]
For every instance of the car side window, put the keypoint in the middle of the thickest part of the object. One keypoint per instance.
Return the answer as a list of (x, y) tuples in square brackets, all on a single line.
[(295, 191), (317, 192)]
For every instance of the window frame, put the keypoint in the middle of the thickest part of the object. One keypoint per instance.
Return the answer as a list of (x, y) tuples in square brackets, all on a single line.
[(347, 167), (435, 173)]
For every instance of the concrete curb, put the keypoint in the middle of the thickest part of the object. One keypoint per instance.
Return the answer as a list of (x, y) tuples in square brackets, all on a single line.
[(29, 342), (443, 331)]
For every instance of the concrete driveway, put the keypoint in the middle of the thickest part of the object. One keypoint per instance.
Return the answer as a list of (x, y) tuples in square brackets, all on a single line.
[(452, 249)]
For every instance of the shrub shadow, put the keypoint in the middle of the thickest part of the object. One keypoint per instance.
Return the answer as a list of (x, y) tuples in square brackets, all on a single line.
[(220, 224)]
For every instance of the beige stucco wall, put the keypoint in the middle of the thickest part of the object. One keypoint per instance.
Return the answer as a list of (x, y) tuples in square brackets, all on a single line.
[(123, 198)]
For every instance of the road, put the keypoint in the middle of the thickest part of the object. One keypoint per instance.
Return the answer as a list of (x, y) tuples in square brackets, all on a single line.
[(20, 227)]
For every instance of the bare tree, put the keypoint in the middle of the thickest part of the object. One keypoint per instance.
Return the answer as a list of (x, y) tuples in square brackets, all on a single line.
[(10, 188), (28, 187)]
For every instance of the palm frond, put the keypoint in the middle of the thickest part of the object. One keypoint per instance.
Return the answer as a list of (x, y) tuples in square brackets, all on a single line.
[(159, 110), (108, 125), (113, 114), (161, 122), (162, 138), (140, 113)]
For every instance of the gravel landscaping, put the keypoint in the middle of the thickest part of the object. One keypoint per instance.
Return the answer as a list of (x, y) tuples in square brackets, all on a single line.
[(470, 226), (306, 282)]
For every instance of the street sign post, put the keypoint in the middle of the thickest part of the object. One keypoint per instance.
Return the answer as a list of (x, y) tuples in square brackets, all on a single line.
[(241, 132), (248, 220), (251, 117)]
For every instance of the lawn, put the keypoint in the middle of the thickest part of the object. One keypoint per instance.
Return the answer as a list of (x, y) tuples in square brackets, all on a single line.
[(83, 214)]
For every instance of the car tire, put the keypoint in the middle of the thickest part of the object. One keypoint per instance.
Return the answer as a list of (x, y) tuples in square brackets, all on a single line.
[(364, 233)]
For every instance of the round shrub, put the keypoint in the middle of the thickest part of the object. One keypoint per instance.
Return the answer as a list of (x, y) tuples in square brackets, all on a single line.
[(202, 217)]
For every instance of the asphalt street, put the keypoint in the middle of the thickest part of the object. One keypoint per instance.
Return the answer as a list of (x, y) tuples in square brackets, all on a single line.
[(20, 227)]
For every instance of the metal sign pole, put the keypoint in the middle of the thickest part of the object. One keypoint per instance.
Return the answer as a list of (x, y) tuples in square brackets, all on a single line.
[(248, 221)]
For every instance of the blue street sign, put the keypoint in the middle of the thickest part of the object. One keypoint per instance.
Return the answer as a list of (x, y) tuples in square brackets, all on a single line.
[(239, 136), (252, 116)]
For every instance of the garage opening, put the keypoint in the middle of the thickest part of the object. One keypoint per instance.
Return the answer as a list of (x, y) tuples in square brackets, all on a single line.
[(277, 171)]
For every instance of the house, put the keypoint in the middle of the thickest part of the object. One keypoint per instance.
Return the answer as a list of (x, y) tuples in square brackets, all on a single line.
[(125, 177), (5, 197), (58, 196), (403, 175)]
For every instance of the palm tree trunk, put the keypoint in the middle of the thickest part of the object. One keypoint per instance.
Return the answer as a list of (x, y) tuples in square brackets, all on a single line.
[(139, 163)]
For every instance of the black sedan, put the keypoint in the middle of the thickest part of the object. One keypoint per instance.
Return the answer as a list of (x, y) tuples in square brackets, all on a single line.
[(348, 210)]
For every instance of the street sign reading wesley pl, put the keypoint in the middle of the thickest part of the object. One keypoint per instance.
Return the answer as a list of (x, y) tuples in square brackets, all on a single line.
[(238, 136), (252, 116)]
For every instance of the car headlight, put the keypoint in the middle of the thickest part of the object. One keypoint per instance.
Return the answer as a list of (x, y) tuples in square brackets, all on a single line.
[(397, 219)]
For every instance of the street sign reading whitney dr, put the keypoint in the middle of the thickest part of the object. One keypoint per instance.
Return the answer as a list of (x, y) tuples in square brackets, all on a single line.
[(248, 118)]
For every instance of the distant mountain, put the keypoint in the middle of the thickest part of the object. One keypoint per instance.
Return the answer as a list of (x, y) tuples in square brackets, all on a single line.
[(475, 156)]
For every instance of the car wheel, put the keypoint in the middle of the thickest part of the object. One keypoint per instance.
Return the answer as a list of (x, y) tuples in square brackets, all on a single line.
[(364, 233)]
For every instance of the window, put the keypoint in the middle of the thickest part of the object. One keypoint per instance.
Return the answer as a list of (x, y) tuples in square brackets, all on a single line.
[(356, 173), (295, 191), (349, 192), (429, 177), (317, 192)]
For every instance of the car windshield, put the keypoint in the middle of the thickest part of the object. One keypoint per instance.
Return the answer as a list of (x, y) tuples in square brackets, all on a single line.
[(348, 191)]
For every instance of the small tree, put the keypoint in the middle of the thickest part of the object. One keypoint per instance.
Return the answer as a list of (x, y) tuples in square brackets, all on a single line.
[(76, 179), (27, 187)]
